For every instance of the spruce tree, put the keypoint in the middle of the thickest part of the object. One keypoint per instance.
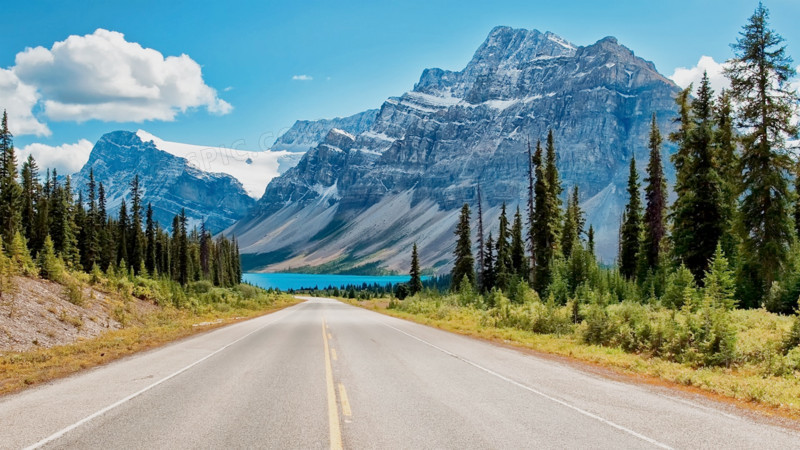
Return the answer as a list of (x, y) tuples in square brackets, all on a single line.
[(135, 238), (631, 226), (502, 264), (480, 241), (590, 241), (759, 73), (122, 233), (488, 265), (183, 249), (91, 245), (415, 283), (573, 224), (729, 170), (464, 265), (547, 190), (150, 248), (519, 261), (532, 164), (655, 227), (10, 190)]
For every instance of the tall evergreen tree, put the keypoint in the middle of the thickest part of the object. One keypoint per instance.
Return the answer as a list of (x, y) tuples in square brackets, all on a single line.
[(31, 190), (488, 265), (91, 247), (519, 261), (532, 164), (655, 227), (590, 241), (150, 236), (573, 224), (464, 265), (631, 226), (480, 240), (10, 190), (759, 73), (415, 283), (547, 190), (183, 249), (135, 237), (729, 169), (122, 234), (503, 268)]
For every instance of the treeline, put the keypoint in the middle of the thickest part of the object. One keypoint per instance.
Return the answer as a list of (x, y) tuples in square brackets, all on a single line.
[(60, 228), (730, 237)]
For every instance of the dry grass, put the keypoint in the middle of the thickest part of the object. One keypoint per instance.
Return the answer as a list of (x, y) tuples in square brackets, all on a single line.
[(21, 369), (748, 385)]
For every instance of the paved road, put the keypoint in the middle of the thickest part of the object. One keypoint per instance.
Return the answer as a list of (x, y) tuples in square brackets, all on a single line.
[(323, 374)]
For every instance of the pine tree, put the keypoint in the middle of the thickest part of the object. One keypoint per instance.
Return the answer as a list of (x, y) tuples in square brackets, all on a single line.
[(656, 195), (30, 193), (91, 246), (150, 248), (547, 190), (729, 171), (480, 240), (183, 250), (720, 282), (631, 226), (573, 224), (590, 241), (415, 283), (488, 265), (135, 238), (464, 265), (759, 75), (532, 164), (502, 263), (122, 233), (10, 190), (519, 261)]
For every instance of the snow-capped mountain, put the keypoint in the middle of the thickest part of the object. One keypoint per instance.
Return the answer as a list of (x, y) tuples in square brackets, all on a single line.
[(361, 199), (215, 184)]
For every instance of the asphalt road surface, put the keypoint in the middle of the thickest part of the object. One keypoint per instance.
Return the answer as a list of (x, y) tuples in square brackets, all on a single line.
[(323, 374)]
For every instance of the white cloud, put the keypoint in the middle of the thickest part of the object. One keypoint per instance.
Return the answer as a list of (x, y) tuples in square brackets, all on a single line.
[(66, 158), (683, 76), (18, 99), (303, 77), (102, 76)]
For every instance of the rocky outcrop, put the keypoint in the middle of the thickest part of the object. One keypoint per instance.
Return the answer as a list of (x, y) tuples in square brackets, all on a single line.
[(306, 134)]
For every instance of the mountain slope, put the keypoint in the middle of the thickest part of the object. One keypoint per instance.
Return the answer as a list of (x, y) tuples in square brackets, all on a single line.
[(306, 134), (167, 181), (364, 199)]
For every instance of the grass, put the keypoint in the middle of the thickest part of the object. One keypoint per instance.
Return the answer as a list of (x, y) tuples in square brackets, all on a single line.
[(198, 308), (758, 380)]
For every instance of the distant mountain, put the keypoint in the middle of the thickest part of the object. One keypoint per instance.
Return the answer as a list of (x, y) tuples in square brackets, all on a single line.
[(306, 134), (217, 185), (360, 199)]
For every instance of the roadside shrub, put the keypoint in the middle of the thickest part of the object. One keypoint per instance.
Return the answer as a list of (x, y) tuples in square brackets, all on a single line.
[(74, 291), (52, 267)]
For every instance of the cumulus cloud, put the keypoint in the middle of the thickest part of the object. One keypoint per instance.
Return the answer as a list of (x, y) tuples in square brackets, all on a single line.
[(303, 77), (66, 158), (683, 76), (18, 99), (105, 77)]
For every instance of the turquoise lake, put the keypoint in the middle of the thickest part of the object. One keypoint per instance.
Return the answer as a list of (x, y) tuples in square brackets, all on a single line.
[(286, 281)]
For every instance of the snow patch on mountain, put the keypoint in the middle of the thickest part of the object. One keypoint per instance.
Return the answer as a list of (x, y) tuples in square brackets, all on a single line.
[(253, 169)]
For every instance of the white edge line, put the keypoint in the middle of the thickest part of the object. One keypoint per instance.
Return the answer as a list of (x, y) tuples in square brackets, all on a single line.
[(108, 408), (537, 392)]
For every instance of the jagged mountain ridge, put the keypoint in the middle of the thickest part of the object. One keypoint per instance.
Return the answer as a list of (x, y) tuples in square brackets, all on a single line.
[(307, 134), (167, 181), (365, 198)]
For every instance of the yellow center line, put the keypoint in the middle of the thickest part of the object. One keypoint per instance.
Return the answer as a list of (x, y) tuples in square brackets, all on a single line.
[(345, 402), (333, 413), (333, 354)]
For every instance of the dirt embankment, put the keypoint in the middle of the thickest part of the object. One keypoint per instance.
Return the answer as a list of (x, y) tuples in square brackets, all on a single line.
[(38, 313)]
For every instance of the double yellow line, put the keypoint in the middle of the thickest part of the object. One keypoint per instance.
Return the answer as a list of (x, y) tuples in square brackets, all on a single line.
[(333, 411)]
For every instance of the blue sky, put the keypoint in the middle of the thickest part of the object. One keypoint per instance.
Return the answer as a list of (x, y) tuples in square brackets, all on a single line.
[(356, 53)]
